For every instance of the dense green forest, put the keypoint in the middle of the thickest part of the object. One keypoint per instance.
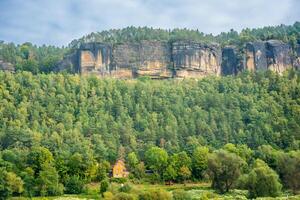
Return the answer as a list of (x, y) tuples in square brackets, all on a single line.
[(61, 131), (44, 59)]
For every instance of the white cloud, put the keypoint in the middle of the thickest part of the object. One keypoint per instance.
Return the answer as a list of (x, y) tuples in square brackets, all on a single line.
[(59, 21)]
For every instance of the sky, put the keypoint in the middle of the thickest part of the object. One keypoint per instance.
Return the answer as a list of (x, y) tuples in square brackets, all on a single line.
[(58, 22)]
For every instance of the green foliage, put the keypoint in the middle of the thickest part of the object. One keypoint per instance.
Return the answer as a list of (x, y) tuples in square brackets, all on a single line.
[(103, 170), (135, 34), (15, 183), (74, 185), (124, 196), (263, 181), (200, 161), (169, 173), (48, 182), (181, 195), (5, 191), (224, 169), (289, 170), (104, 184), (28, 57), (125, 188), (56, 126), (157, 159), (155, 195)]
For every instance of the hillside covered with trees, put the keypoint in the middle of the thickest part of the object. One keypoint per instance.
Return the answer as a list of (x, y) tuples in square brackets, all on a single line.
[(61, 131)]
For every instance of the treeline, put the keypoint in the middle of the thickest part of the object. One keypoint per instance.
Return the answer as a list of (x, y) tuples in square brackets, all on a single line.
[(265, 172), (62, 130), (45, 59), (287, 33), (32, 58)]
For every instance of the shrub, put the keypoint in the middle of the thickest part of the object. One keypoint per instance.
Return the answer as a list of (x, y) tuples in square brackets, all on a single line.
[(155, 195), (108, 196), (118, 180), (104, 184), (124, 196), (181, 195), (74, 185), (145, 196), (263, 181), (125, 188)]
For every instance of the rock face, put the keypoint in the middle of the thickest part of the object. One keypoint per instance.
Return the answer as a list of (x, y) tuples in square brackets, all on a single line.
[(6, 66), (229, 61), (69, 63), (278, 56), (146, 58), (272, 54), (193, 59), (180, 59), (95, 58), (256, 58), (296, 63)]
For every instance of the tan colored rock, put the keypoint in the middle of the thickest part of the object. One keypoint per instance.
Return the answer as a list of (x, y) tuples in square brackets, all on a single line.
[(196, 60), (6, 66)]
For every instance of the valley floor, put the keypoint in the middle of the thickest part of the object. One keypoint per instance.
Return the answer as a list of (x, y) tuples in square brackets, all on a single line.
[(198, 191)]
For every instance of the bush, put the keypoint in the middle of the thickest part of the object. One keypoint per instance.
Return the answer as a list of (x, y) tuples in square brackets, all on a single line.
[(118, 180), (125, 188), (74, 185), (181, 195), (124, 196), (155, 195), (145, 196), (108, 196), (263, 181), (104, 186)]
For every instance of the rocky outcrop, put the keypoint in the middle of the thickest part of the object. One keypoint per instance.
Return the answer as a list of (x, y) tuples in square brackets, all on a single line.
[(272, 54), (229, 61), (146, 58), (296, 62), (256, 56), (180, 59), (6, 66), (95, 58), (192, 59), (278, 56), (70, 63)]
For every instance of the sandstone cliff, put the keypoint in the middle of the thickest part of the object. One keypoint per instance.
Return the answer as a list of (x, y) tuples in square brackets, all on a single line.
[(273, 54), (146, 58), (193, 59), (6, 66), (230, 61), (180, 59)]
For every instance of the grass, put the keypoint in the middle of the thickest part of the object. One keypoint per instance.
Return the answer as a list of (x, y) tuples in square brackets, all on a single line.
[(198, 191)]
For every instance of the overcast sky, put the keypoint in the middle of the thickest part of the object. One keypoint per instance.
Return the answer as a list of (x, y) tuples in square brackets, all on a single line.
[(57, 22)]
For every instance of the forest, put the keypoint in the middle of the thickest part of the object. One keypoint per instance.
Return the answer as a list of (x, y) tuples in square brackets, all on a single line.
[(60, 132)]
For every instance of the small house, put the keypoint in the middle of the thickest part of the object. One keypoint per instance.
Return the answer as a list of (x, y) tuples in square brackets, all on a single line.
[(119, 170)]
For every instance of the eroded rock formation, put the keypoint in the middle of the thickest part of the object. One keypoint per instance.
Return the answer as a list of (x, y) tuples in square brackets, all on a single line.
[(6, 66), (229, 61), (296, 61), (272, 54), (193, 59), (146, 58), (95, 58), (180, 59)]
